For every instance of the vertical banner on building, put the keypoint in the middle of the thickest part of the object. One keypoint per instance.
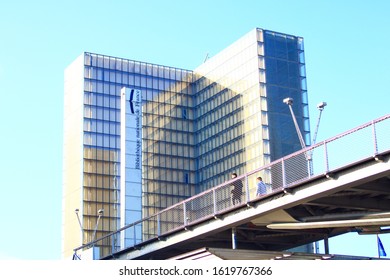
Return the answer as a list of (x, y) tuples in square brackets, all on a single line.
[(131, 164)]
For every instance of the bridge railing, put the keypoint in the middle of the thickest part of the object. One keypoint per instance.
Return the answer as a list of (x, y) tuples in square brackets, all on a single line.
[(360, 143)]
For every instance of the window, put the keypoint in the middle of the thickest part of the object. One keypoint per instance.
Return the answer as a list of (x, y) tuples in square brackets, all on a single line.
[(186, 178)]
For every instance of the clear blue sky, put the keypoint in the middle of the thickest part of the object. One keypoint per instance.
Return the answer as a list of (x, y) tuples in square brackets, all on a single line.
[(347, 65)]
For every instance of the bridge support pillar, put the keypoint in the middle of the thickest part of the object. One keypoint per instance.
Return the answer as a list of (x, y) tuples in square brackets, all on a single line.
[(234, 242), (326, 244)]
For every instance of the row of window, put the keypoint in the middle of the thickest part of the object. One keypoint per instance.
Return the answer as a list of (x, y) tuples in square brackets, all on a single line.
[(236, 83), (102, 195), (283, 46), (221, 153), (226, 116), (108, 76), (227, 128), (209, 180), (162, 201), (101, 167), (96, 60), (169, 142), (103, 174), (223, 98), (155, 100), (102, 181), (284, 73), (169, 122), (101, 113), (212, 101), (227, 63), (171, 149), (169, 136), (219, 147), (148, 93), (99, 126), (166, 176), (153, 111), (101, 140), (101, 154), (151, 129), (182, 185), (154, 162)]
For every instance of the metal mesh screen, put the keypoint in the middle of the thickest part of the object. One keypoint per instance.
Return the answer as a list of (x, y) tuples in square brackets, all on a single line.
[(171, 218), (353, 147), (277, 180), (223, 198), (199, 207), (296, 168), (318, 160), (382, 130)]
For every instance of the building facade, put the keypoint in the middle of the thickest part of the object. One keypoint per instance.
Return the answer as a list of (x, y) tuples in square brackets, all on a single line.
[(186, 132)]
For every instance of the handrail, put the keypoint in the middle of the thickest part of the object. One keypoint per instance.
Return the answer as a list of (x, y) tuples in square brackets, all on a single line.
[(284, 172)]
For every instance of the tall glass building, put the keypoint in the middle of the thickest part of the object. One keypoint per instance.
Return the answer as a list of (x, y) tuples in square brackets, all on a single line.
[(139, 137)]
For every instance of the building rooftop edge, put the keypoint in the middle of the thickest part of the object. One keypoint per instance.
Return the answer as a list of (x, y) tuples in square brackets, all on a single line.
[(180, 68)]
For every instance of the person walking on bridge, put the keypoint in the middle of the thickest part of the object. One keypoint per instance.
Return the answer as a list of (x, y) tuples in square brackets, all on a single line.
[(236, 190)]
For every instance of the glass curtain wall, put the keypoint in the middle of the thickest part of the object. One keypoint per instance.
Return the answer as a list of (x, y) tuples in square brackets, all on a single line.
[(168, 159), (101, 147), (240, 109), (228, 113), (285, 77)]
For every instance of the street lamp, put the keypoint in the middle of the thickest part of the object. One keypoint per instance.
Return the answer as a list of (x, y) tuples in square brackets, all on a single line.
[(78, 218), (100, 214), (320, 106), (289, 101)]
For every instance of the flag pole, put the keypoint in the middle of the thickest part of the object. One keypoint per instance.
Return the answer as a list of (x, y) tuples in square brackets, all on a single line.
[(377, 245)]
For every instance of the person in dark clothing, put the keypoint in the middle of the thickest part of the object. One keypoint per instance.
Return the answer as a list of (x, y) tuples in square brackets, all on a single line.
[(236, 190)]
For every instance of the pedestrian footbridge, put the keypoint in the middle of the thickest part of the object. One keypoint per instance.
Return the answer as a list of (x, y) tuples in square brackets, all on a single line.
[(336, 186)]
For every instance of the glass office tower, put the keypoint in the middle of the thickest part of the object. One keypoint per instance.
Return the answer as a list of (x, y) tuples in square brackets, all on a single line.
[(198, 126), (241, 121)]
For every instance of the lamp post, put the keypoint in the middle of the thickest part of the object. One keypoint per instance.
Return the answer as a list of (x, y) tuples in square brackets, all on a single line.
[(289, 101), (100, 214), (81, 227), (320, 107)]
